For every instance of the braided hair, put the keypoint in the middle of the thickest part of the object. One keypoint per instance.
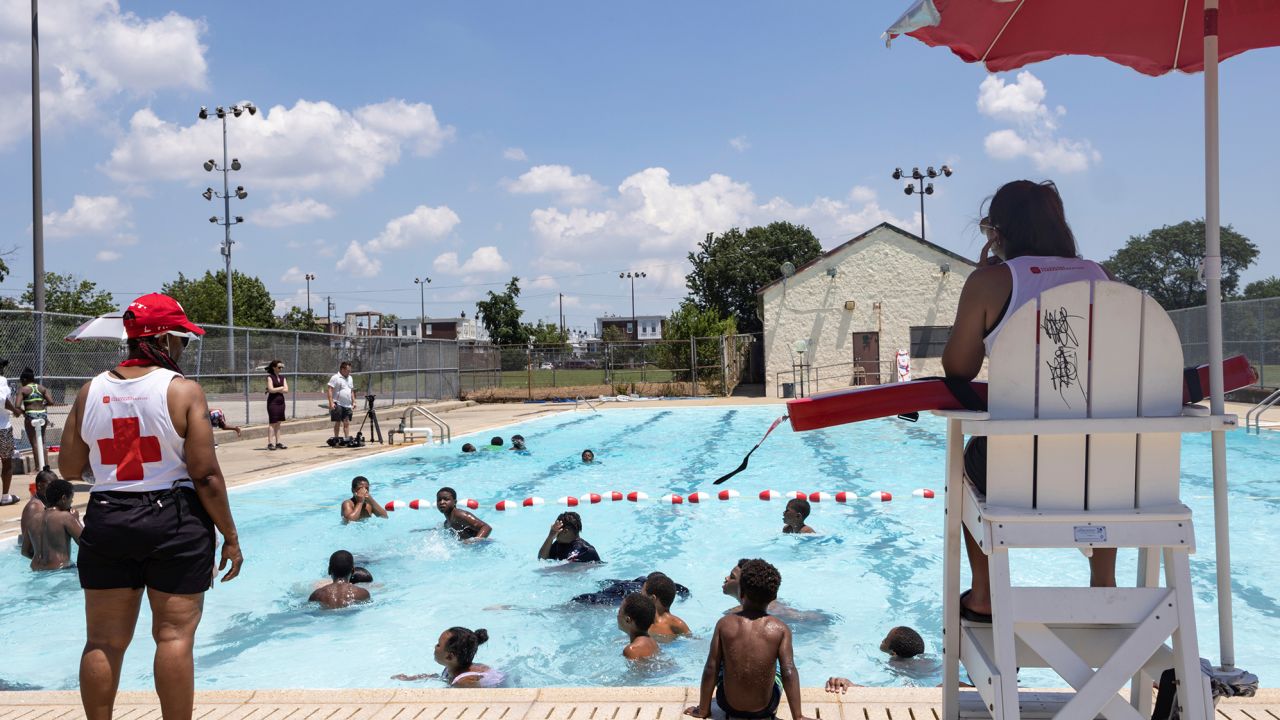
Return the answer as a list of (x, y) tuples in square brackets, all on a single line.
[(153, 352)]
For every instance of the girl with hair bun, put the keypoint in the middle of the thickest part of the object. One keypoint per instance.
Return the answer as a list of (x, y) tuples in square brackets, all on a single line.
[(456, 651)]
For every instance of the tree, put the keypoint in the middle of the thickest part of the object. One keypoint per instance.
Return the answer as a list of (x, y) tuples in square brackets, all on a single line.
[(1165, 263), (64, 294), (297, 319), (1259, 289), (501, 316), (388, 321), (544, 334), (205, 299), (613, 334), (728, 269), (687, 322)]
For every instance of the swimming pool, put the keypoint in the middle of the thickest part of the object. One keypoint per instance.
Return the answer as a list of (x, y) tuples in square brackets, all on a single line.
[(874, 566)]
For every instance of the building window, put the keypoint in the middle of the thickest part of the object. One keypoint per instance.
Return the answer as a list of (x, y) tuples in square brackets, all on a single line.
[(928, 341)]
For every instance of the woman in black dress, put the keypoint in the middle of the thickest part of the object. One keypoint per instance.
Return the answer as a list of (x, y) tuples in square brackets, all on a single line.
[(277, 386)]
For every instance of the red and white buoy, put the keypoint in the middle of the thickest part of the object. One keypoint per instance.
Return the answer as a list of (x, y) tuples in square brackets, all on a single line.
[(816, 497), (728, 494), (393, 505), (591, 498), (880, 495), (698, 497), (471, 503), (416, 504), (616, 496), (770, 494), (569, 500), (798, 495), (844, 496), (671, 499), (925, 493), (533, 502), (636, 496), (504, 505)]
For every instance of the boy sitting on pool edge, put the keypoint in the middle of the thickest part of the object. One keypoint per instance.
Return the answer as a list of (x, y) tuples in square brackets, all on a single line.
[(745, 650), (635, 616)]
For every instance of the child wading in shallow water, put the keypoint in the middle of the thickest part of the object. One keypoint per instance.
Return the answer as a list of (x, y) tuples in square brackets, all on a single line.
[(794, 517), (456, 651), (902, 643), (662, 590), (635, 616)]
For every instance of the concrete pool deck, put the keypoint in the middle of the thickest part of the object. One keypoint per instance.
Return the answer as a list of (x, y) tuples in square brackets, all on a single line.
[(659, 703)]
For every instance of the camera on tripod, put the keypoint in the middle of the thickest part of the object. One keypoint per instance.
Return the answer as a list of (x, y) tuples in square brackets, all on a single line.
[(368, 402)]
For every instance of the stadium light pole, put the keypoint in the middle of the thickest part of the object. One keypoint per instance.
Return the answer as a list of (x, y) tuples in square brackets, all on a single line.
[(632, 277), (925, 189), (37, 192), (210, 165), (422, 283), (309, 277)]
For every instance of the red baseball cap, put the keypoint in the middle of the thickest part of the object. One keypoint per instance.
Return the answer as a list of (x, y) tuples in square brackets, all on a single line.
[(156, 314)]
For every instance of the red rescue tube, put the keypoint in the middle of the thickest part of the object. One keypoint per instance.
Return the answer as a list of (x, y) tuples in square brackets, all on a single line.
[(878, 401)]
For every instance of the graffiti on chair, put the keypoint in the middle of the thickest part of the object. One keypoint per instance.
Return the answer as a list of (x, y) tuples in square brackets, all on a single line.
[(1063, 362)]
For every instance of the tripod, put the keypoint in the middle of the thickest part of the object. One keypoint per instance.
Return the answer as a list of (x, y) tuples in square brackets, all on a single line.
[(371, 417)]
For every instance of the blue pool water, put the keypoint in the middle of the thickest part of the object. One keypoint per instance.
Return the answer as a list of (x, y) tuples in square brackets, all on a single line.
[(875, 565)]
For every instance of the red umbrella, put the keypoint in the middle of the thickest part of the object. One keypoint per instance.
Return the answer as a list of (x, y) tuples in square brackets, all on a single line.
[(1153, 37)]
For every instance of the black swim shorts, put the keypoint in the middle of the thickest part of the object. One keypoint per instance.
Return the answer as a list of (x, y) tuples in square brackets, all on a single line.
[(768, 711), (339, 414), (975, 462), (160, 540)]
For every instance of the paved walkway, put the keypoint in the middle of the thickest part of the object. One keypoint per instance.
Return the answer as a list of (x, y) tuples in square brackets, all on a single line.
[(530, 704)]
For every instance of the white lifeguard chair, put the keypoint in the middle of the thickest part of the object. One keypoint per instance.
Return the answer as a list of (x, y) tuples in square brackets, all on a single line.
[(1084, 428)]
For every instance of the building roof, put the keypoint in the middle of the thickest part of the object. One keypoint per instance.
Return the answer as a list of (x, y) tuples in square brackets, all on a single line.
[(852, 241)]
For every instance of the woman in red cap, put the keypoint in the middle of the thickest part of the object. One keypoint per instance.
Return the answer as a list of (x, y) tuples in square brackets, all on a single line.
[(142, 430)]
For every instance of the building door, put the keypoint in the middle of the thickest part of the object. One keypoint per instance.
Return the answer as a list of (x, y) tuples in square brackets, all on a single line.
[(866, 358)]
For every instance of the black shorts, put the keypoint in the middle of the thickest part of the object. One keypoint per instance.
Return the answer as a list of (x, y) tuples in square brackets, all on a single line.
[(160, 540), (768, 711), (339, 413), (975, 462)]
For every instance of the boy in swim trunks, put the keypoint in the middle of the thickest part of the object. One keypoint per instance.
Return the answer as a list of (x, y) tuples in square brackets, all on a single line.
[(341, 592), (55, 528), (662, 590), (902, 643), (465, 525), (361, 504), (635, 616), (751, 660), (793, 517)]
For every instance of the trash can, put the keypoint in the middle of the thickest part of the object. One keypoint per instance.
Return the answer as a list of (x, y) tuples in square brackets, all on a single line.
[(788, 390)]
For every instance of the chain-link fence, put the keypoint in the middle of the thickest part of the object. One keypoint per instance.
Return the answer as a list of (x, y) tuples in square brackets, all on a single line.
[(231, 365), (1249, 327), (698, 366)]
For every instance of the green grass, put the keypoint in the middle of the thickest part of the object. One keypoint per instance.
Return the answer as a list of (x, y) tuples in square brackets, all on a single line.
[(579, 377)]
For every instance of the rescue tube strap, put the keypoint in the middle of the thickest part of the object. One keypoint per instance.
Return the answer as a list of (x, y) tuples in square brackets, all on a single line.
[(747, 457)]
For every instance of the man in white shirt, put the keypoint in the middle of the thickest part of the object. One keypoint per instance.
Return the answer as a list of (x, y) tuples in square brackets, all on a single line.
[(7, 412), (341, 394)]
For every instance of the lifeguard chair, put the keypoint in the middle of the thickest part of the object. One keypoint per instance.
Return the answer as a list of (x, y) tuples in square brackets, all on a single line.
[(1084, 428)]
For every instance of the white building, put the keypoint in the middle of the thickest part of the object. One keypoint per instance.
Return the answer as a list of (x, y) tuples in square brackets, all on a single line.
[(451, 328), (853, 308), (645, 327)]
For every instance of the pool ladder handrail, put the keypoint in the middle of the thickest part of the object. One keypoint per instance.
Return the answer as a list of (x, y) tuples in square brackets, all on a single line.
[(1254, 416), (446, 434), (583, 400)]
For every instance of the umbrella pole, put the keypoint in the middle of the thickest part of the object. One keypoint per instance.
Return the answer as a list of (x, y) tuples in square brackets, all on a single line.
[(1213, 308)]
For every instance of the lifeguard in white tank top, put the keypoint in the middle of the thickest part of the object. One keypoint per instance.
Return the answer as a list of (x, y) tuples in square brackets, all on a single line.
[(133, 446), (1033, 274)]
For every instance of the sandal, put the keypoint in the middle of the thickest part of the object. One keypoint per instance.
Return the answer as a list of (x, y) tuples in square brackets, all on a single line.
[(972, 616)]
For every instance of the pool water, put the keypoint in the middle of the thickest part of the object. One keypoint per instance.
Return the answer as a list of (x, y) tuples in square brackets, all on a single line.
[(874, 565)]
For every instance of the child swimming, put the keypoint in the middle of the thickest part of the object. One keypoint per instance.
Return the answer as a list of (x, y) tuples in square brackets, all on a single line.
[(662, 590), (456, 651), (793, 517), (635, 617)]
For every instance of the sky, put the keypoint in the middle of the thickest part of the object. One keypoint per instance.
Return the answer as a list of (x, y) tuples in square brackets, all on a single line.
[(567, 142)]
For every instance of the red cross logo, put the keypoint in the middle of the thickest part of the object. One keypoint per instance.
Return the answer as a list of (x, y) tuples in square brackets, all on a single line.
[(127, 450)]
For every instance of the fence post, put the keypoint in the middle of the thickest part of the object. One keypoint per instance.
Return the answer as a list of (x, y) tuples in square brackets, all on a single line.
[(1262, 347), (693, 365), (724, 365), (246, 376), (294, 387), (395, 372), (199, 356)]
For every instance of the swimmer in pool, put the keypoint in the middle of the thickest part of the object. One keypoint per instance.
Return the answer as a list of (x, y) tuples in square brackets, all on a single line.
[(777, 608), (902, 643), (55, 528), (517, 443), (588, 457), (495, 443), (456, 651), (361, 504), (564, 541), (635, 617), (662, 591), (465, 525), (341, 592), (468, 448), (793, 517)]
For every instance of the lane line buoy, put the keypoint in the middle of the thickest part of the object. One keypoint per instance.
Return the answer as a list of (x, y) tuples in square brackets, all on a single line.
[(698, 497), (798, 495), (816, 497), (472, 504), (416, 504), (770, 494), (636, 496), (394, 505), (880, 495), (844, 496), (671, 499), (925, 493), (504, 505), (568, 500), (592, 498), (616, 496), (728, 494), (532, 502)]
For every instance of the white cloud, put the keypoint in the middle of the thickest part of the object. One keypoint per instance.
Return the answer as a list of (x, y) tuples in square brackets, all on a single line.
[(515, 153), (107, 256), (299, 299), (92, 52), (483, 259), (543, 282), (88, 215), (424, 223), (739, 143), (293, 275), (295, 212), (1035, 132), (310, 146), (558, 179), (355, 262)]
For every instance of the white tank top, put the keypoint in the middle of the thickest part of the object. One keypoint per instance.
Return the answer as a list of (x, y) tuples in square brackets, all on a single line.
[(133, 446), (1033, 274)]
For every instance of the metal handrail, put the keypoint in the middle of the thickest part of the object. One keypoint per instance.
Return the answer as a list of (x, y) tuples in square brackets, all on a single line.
[(1254, 416), (446, 434), (581, 399)]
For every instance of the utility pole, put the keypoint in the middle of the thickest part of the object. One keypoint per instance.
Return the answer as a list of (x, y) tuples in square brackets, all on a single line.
[(562, 315), (328, 312)]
